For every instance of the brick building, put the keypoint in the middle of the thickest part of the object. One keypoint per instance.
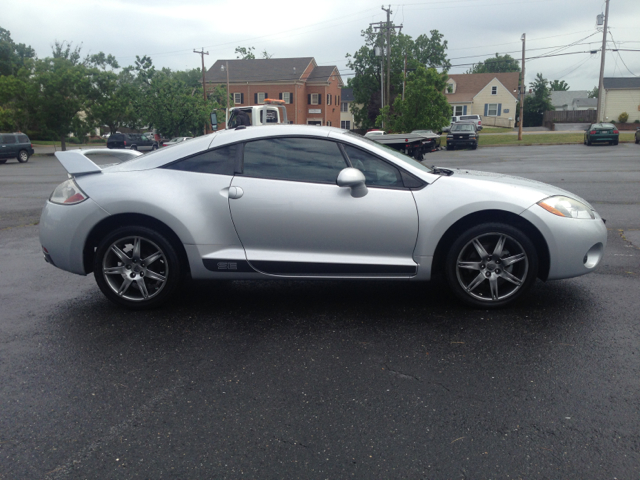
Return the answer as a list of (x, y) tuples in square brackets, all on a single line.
[(311, 92)]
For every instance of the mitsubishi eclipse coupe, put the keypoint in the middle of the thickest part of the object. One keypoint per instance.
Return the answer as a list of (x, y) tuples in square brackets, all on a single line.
[(308, 202)]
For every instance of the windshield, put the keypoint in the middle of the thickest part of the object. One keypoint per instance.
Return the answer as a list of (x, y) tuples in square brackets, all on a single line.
[(459, 127), (400, 156)]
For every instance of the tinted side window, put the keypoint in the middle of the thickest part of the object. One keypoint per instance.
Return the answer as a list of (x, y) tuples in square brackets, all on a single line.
[(377, 172), (23, 139), (220, 161), (298, 159), (9, 139), (117, 136)]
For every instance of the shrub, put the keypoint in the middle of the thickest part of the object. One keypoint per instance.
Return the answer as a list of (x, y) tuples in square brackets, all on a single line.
[(636, 121), (624, 116)]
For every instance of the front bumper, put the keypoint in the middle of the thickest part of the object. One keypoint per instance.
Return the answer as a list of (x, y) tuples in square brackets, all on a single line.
[(576, 246), (64, 230)]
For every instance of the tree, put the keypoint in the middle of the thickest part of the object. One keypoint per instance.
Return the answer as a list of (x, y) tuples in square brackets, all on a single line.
[(558, 86), (535, 105), (424, 105), (12, 56), (427, 51), (245, 53), (266, 55), (499, 64), (594, 93)]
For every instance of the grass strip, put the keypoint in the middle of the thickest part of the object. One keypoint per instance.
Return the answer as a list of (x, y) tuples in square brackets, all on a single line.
[(542, 139)]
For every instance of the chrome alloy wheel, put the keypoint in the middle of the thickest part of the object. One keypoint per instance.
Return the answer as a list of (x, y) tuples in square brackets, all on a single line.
[(492, 267), (135, 268)]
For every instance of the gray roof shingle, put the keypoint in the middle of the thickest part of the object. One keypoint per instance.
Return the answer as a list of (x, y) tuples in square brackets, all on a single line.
[(558, 99), (621, 82), (347, 95), (259, 70)]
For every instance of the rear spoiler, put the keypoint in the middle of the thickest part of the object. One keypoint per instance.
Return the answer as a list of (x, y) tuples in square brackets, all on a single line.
[(76, 163)]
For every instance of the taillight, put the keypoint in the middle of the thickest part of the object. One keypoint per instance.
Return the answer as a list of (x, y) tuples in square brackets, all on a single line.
[(479, 122), (125, 143), (592, 132), (616, 132), (68, 193)]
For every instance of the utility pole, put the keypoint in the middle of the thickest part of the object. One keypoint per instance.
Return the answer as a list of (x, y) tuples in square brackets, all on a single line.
[(202, 53), (523, 89), (600, 113), (388, 26), (404, 75)]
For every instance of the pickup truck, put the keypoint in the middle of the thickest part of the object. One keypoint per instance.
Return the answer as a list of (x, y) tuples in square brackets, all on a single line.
[(271, 113)]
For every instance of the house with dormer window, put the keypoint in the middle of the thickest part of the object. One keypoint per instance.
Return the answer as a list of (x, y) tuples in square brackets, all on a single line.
[(311, 92), (493, 96)]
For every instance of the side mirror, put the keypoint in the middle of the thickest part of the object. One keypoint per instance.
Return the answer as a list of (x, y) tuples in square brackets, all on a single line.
[(214, 121), (354, 179)]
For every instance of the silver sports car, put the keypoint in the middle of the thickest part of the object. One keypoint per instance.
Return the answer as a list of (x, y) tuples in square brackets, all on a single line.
[(290, 201)]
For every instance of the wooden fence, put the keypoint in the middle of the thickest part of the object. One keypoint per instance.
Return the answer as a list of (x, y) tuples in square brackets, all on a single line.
[(570, 116)]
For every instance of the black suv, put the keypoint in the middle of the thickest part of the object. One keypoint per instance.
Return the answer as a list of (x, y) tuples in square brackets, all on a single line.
[(463, 134), (134, 141), (15, 145)]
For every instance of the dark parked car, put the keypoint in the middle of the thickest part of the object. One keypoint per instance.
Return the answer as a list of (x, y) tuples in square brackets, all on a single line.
[(463, 134), (638, 135), (15, 145), (134, 141), (601, 132)]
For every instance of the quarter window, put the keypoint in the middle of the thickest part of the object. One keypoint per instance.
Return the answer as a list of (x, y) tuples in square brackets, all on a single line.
[(220, 161), (296, 159), (377, 172)]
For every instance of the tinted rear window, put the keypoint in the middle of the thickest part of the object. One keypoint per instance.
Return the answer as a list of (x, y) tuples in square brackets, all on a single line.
[(220, 161), (469, 117)]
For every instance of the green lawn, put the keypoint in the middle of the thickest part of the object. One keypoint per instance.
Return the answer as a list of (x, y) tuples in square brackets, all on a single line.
[(496, 130), (542, 139)]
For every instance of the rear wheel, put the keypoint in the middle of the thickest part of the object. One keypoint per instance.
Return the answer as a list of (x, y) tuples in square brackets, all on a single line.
[(137, 267), (615, 142), (589, 141), (491, 265), (23, 156)]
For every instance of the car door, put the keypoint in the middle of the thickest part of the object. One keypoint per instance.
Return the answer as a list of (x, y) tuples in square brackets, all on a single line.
[(294, 220), (8, 146)]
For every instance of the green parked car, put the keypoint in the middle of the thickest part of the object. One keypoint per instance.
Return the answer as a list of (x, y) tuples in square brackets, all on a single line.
[(601, 132)]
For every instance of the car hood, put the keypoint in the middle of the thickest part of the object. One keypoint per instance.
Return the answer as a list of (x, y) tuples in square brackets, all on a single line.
[(527, 187)]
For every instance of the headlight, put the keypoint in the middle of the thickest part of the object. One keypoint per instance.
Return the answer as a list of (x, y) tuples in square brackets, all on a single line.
[(68, 193), (566, 207)]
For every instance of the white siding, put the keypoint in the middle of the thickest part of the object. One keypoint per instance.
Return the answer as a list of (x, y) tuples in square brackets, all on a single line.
[(618, 101)]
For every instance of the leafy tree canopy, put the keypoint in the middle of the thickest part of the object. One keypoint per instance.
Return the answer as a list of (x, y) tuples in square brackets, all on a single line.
[(594, 93), (424, 105), (13, 56), (535, 105), (559, 86), (428, 51), (499, 64)]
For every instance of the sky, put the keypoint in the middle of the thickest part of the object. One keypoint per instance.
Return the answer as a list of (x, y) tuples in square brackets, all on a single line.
[(169, 31)]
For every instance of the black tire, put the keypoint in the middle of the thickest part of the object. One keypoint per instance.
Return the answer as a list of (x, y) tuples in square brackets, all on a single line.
[(487, 282), (615, 142), (23, 156), (130, 281), (134, 147), (588, 142), (449, 147), (155, 147), (475, 147)]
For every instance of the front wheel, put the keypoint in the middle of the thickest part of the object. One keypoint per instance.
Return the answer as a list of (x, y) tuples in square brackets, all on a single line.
[(491, 265), (137, 267), (23, 156)]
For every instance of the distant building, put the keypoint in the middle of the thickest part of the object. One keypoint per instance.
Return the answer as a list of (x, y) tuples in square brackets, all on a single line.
[(346, 117), (573, 100), (621, 95), (490, 95), (312, 93)]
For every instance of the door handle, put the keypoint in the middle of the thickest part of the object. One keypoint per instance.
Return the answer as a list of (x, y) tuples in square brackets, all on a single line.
[(235, 192)]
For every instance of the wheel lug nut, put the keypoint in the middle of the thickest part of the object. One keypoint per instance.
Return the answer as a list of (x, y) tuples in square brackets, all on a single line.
[(142, 274), (133, 275), (128, 267), (482, 265), (497, 271), (488, 274)]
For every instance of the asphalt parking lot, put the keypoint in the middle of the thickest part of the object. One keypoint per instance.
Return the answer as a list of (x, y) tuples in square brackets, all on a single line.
[(326, 379)]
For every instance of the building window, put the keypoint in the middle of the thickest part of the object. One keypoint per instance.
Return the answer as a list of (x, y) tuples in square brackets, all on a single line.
[(261, 97), (237, 98), (345, 124), (458, 110), (286, 96), (492, 110), (328, 99), (328, 123), (314, 99), (494, 90), (344, 107)]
